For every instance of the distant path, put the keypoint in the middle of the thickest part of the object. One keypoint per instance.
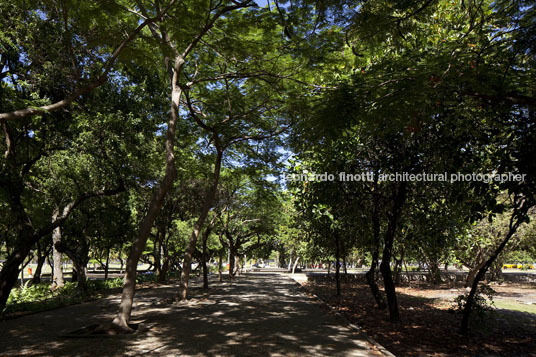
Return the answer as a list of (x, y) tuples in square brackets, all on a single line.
[(258, 315)]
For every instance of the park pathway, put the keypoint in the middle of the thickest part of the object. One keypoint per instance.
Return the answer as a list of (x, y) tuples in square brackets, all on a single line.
[(256, 315)]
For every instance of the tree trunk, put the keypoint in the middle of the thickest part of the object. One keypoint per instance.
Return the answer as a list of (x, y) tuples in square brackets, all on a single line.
[(220, 268), (371, 274), (57, 276), (482, 271), (185, 274), (164, 270), (204, 258), (41, 258), (344, 264), (472, 273), (289, 262), (10, 268), (157, 252), (81, 277), (371, 280), (107, 266), (337, 264), (129, 282), (295, 264), (385, 266), (435, 272), (231, 263)]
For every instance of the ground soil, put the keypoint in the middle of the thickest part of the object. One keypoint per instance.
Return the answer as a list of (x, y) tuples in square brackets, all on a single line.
[(429, 327)]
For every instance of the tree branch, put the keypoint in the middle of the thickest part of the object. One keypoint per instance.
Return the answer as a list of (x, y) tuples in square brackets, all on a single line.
[(30, 111)]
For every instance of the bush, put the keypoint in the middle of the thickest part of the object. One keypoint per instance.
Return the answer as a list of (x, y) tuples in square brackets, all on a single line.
[(145, 277), (483, 304), (39, 297)]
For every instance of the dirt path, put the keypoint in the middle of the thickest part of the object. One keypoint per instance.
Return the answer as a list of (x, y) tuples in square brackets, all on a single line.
[(261, 315)]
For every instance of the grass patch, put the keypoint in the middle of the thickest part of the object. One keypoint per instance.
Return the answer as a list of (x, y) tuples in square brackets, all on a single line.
[(515, 306), (40, 297)]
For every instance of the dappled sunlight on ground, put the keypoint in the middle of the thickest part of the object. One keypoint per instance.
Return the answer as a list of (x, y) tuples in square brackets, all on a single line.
[(261, 314)]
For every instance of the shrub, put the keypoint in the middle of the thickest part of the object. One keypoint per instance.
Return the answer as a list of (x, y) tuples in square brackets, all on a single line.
[(482, 307)]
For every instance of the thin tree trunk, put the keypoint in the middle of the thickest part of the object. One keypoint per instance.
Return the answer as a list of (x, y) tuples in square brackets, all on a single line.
[(185, 274), (385, 266), (371, 274), (344, 260), (371, 280), (220, 268), (125, 307), (470, 298), (337, 264), (41, 258), (295, 264), (57, 277), (204, 258), (107, 266)]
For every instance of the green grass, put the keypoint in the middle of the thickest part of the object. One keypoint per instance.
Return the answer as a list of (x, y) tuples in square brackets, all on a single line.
[(515, 306), (40, 297)]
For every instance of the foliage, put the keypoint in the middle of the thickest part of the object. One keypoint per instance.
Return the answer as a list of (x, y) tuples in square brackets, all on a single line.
[(483, 304), (39, 297)]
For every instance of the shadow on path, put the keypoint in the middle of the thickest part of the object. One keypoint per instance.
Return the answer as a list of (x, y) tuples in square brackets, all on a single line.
[(259, 314)]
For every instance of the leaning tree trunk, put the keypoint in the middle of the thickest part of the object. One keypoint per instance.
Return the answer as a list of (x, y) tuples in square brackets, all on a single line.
[(125, 307), (473, 272), (186, 266), (470, 298), (295, 264)]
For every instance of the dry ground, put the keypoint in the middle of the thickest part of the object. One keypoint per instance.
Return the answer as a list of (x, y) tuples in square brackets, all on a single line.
[(428, 328)]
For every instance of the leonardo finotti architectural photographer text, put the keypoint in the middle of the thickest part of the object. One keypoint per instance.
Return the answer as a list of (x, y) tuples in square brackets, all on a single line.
[(406, 176)]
